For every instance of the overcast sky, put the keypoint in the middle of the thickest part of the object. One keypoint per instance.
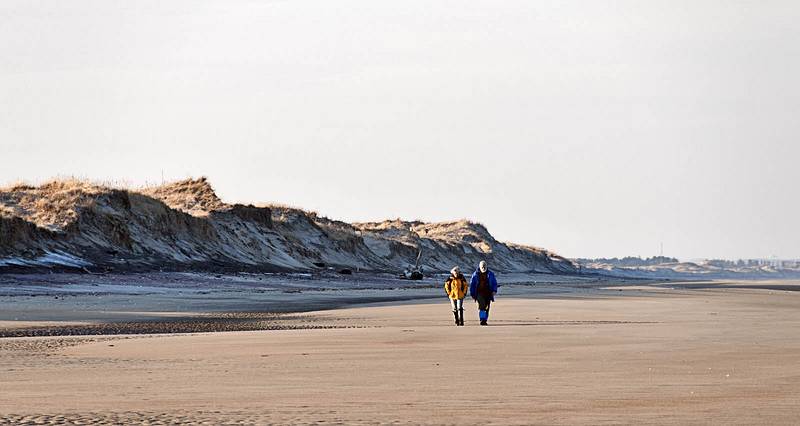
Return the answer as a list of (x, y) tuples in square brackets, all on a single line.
[(592, 128)]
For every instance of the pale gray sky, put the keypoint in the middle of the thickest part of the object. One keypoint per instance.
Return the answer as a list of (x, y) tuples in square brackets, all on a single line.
[(593, 128)]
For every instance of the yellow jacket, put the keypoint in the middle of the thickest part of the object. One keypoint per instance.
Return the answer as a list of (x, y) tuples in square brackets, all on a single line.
[(456, 287)]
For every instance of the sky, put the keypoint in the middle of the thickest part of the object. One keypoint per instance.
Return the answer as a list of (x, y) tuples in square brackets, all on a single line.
[(591, 128)]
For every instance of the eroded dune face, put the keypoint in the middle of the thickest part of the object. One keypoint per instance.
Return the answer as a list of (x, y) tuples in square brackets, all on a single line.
[(185, 225)]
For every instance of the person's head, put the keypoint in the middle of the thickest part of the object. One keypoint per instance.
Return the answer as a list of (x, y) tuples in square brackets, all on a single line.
[(482, 266), (455, 271)]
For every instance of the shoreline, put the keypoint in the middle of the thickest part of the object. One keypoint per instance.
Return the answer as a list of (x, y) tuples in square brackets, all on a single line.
[(174, 303), (166, 303)]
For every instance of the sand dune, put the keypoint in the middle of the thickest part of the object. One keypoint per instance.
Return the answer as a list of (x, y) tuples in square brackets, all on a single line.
[(72, 224)]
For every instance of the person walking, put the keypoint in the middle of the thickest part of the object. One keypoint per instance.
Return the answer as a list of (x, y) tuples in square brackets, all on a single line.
[(483, 288), (456, 288)]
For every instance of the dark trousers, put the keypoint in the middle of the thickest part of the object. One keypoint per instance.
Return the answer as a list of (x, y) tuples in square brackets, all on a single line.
[(484, 302)]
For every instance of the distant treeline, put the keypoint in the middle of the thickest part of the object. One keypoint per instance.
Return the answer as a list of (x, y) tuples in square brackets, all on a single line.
[(750, 263), (631, 261)]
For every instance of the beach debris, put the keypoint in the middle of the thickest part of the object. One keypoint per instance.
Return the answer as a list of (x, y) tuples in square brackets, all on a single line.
[(414, 272)]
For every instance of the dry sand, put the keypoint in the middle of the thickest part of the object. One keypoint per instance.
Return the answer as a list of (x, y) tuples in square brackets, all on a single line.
[(710, 356)]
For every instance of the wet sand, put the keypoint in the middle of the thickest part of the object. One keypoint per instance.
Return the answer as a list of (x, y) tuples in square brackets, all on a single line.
[(645, 356), (169, 295)]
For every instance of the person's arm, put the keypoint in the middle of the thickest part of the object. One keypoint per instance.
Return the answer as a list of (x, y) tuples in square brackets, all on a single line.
[(447, 286), (473, 286), (494, 284)]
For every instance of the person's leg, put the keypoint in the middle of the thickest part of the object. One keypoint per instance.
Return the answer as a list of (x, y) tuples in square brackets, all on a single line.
[(482, 309), (488, 305), (460, 305), (454, 305)]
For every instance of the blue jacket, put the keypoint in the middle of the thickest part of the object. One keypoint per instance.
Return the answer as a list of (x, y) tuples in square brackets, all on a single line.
[(473, 283)]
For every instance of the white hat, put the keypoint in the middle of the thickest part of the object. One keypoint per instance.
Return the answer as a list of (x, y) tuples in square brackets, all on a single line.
[(455, 271)]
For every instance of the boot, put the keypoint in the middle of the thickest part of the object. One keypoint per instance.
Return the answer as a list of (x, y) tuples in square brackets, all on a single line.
[(483, 315), (455, 314), (461, 316)]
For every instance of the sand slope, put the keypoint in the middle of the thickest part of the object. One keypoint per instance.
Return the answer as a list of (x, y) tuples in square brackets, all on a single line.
[(71, 224), (668, 357)]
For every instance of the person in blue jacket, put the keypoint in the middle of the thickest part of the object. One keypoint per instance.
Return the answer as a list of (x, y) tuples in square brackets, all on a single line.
[(483, 288)]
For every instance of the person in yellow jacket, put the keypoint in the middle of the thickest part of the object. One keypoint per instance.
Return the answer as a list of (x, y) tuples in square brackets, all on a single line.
[(456, 289)]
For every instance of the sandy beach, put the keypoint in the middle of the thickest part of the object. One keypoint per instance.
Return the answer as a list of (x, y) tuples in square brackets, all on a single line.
[(645, 356), (256, 213)]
